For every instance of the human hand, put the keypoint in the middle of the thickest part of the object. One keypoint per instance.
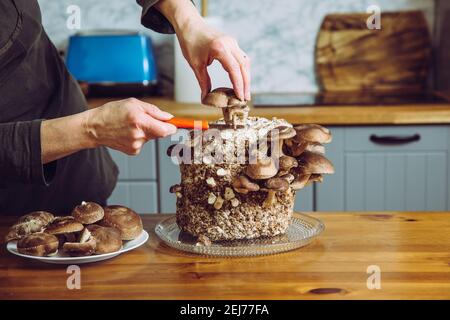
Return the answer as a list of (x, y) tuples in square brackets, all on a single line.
[(202, 44), (126, 125)]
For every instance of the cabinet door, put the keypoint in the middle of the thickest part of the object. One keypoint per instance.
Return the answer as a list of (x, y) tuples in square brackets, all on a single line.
[(141, 196), (396, 181), (140, 167), (304, 199), (329, 194), (137, 185), (169, 172), (411, 176)]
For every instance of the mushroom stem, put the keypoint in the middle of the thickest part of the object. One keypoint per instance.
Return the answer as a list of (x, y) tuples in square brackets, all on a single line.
[(300, 181), (280, 148), (276, 149), (235, 114), (270, 199), (226, 115)]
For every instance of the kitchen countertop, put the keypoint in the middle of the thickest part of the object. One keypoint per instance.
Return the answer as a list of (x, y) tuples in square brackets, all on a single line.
[(332, 115), (412, 251)]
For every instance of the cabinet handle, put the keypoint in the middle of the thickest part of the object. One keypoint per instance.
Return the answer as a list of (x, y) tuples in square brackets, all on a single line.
[(394, 140)]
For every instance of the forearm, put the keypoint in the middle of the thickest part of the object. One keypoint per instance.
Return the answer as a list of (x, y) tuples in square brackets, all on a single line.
[(63, 136), (180, 13)]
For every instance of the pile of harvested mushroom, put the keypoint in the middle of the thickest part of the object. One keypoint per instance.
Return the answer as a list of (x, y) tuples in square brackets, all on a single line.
[(90, 230)]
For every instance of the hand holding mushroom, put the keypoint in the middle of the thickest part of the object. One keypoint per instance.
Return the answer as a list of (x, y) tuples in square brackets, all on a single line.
[(235, 111), (201, 45)]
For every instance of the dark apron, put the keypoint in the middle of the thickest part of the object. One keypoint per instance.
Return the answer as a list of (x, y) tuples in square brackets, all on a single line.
[(35, 84)]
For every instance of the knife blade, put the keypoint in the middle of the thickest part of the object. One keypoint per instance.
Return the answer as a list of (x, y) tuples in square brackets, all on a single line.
[(185, 123)]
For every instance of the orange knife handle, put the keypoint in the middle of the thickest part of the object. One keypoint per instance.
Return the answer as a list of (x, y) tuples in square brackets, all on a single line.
[(183, 123)]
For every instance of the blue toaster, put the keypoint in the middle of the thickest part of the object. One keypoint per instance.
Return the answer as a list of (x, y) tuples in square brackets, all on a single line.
[(113, 62)]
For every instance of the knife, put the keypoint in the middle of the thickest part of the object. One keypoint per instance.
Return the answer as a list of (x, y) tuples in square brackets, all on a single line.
[(184, 123)]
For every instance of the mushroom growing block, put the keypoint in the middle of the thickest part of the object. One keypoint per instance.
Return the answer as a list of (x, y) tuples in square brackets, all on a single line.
[(250, 196)]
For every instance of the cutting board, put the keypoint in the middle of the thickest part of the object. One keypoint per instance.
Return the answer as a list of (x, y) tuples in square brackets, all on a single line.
[(351, 57)]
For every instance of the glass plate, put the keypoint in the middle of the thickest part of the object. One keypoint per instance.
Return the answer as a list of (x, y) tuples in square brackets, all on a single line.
[(302, 230)]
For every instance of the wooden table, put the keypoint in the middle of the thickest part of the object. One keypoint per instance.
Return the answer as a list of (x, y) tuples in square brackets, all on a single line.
[(331, 115), (412, 251)]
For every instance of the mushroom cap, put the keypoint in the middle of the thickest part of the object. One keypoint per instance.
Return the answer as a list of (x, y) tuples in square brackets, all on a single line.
[(295, 148), (263, 169), (311, 162), (289, 177), (281, 133), (312, 133), (66, 224), (243, 185), (88, 212), (277, 184), (285, 163), (38, 244), (315, 147), (222, 98)]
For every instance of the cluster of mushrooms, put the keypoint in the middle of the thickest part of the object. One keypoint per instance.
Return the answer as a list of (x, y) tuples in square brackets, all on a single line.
[(299, 151), (301, 161)]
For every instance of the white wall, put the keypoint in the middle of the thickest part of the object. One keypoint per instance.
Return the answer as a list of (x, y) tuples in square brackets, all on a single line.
[(279, 35)]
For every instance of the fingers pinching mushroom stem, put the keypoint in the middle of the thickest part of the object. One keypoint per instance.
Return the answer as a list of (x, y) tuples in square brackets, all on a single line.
[(235, 111)]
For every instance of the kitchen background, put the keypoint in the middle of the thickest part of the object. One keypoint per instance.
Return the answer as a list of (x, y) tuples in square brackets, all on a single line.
[(280, 37)]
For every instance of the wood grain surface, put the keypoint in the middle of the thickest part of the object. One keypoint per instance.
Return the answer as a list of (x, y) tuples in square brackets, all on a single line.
[(411, 249), (342, 115), (351, 57)]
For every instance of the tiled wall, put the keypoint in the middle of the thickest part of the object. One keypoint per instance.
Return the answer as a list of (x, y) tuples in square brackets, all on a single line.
[(278, 35)]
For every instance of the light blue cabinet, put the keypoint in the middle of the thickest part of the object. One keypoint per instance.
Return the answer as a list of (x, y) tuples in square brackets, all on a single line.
[(141, 196), (137, 187), (372, 175), (140, 167), (304, 199)]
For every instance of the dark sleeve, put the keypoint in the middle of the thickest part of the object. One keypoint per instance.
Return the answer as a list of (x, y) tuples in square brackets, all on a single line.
[(153, 19), (20, 154)]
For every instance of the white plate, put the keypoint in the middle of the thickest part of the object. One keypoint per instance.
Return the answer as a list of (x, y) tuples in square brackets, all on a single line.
[(60, 258)]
